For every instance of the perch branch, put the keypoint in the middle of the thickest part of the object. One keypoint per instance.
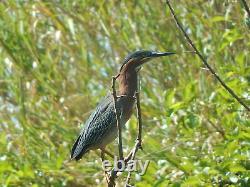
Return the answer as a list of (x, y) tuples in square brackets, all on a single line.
[(118, 119), (203, 59), (138, 107), (113, 174), (132, 157), (138, 143)]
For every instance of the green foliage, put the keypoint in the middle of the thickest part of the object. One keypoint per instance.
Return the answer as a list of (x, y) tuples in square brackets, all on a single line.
[(58, 57)]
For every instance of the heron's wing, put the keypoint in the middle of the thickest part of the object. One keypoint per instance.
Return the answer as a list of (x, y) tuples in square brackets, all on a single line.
[(105, 103), (98, 124)]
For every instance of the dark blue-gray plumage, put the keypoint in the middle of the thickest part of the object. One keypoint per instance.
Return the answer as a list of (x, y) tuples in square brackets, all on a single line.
[(101, 128)]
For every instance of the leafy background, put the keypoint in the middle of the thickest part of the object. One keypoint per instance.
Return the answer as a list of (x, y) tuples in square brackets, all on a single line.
[(58, 57)]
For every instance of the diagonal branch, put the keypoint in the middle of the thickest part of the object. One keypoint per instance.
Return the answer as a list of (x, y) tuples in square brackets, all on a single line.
[(203, 59), (132, 157)]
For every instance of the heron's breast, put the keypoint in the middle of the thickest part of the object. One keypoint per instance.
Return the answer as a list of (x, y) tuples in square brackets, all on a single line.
[(127, 109)]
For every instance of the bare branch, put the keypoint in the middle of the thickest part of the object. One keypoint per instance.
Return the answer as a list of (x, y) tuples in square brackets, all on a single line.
[(138, 142), (113, 174), (138, 107), (132, 157), (118, 119), (203, 59), (219, 129)]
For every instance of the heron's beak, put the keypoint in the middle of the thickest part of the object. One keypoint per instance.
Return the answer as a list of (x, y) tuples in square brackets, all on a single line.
[(154, 55), (158, 54)]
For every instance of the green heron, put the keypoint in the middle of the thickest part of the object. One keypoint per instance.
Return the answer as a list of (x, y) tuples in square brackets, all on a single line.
[(101, 128)]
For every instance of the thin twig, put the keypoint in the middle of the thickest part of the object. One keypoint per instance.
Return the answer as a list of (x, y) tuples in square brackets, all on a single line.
[(203, 59), (246, 7), (219, 129), (135, 149), (118, 119), (138, 143), (138, 107)]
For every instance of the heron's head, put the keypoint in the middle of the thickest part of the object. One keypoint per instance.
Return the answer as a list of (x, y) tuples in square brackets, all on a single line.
[(134, 61)]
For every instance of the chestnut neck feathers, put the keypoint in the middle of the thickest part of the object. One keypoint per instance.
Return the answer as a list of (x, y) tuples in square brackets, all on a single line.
[(128, 80)]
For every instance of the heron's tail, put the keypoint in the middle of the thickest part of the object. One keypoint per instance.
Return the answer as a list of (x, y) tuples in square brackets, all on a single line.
[(78, 149)]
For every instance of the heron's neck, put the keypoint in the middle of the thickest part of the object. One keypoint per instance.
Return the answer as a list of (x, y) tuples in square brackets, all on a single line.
[(128, 83)]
